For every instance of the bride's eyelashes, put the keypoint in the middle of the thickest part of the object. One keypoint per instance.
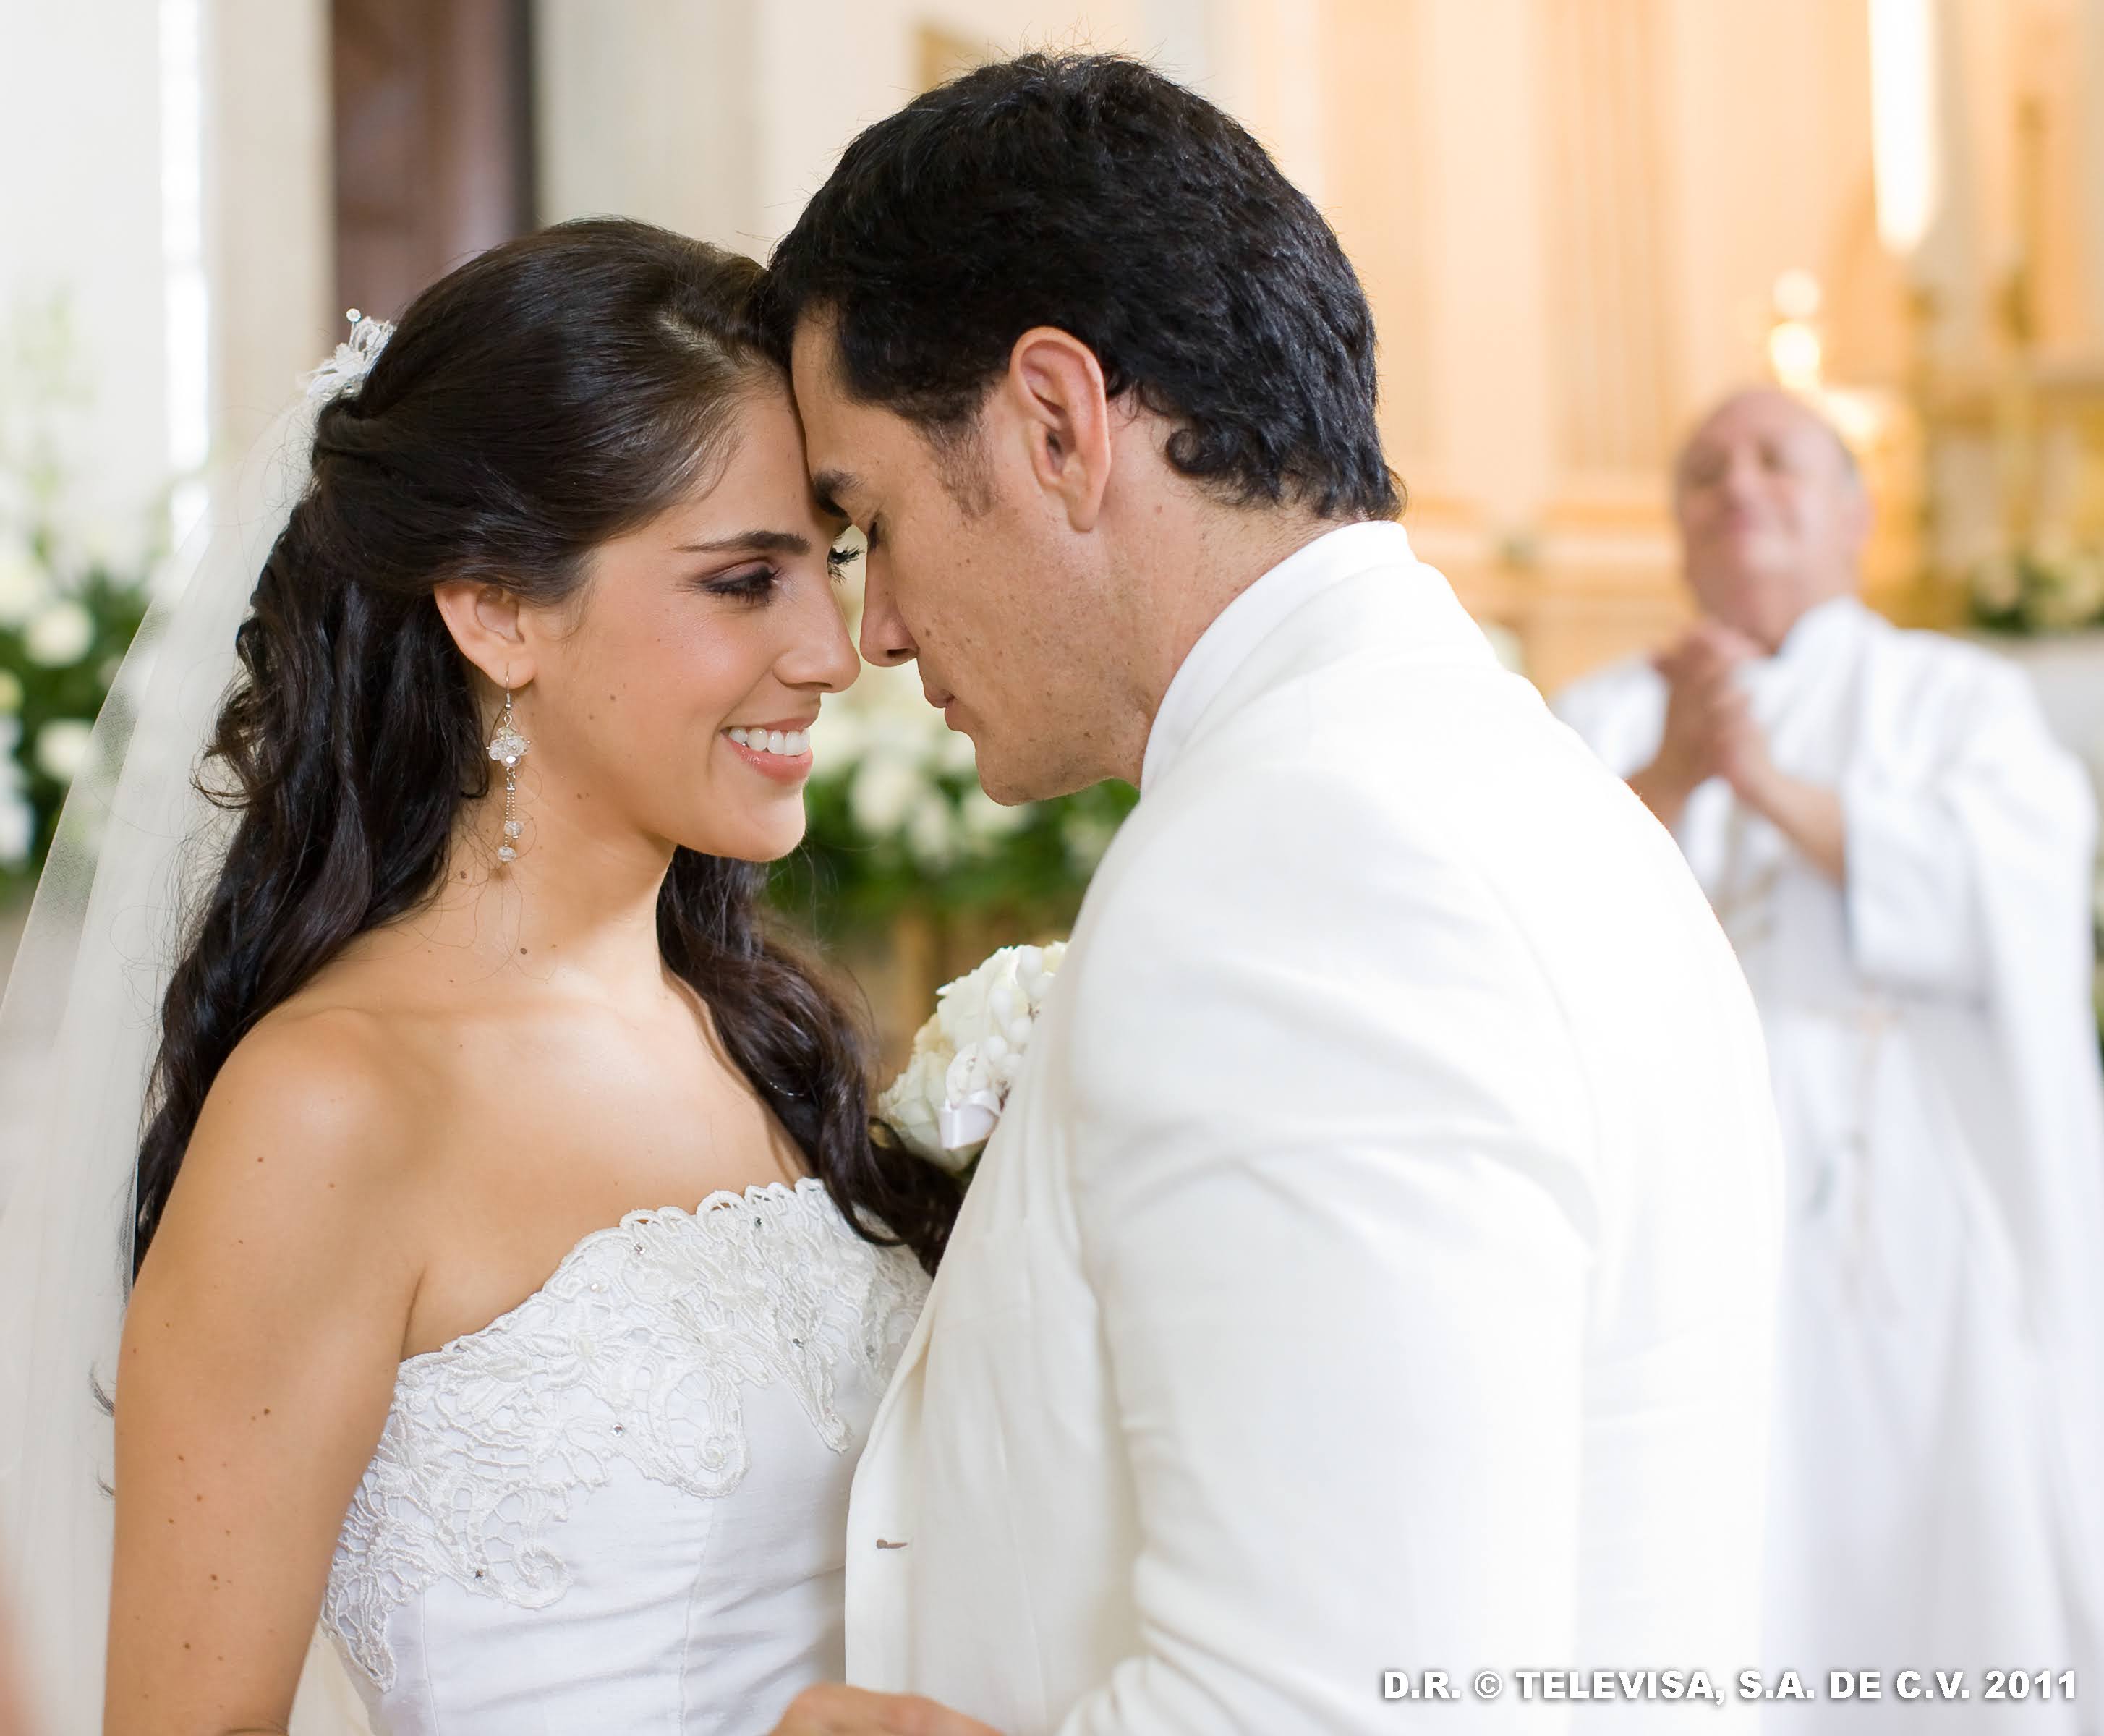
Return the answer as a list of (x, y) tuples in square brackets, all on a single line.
[(746, 585), (757, 584)]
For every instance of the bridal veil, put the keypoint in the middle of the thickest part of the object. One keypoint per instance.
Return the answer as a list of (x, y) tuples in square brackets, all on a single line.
[(137, 843)]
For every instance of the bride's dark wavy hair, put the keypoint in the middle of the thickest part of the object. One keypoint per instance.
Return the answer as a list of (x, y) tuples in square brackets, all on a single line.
[(551, 394)]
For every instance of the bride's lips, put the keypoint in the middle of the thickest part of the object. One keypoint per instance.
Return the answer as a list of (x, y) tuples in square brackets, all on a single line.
[(783, 768)]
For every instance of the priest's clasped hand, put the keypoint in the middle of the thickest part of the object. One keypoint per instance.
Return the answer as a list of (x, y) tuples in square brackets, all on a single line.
[(1709, 727), (834, 1709), (1710, 732)]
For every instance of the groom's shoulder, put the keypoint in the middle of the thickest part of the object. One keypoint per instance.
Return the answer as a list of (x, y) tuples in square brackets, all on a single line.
[(1626, 681), (1374, 735), (1290, 823), (1299, 896), (1383, 793)]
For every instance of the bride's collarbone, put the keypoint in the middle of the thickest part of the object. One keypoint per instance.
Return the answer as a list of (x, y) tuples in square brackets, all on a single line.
[(522, 1126), (504, 1241), (523, 1175)]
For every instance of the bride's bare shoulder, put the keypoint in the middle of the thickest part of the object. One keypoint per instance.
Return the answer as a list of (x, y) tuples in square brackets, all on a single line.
[(360, 1050), (315, 1135), (323, 1069)]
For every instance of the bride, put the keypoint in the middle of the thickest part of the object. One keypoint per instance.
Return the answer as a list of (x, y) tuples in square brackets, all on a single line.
[(515, 1277)]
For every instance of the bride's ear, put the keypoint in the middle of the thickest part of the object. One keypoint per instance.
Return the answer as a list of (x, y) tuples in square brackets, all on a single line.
[(485, 621)]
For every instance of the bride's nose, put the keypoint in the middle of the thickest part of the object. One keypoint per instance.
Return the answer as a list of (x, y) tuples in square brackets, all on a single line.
[(821, 655)]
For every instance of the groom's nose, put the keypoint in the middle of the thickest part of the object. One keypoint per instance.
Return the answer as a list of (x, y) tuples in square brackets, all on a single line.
[(884, 638)]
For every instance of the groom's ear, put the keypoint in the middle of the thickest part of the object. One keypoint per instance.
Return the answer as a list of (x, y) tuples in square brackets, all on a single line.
[(1055, 388)]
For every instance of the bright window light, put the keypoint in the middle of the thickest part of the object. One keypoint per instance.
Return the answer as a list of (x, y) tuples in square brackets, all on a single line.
[(1903, 121), (185, 294)]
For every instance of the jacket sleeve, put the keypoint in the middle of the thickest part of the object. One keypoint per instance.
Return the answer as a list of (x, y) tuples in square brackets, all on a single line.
[(1340, 1238)]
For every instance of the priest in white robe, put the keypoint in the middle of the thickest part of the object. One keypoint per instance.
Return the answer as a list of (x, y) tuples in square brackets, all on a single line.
[(1903, 858)]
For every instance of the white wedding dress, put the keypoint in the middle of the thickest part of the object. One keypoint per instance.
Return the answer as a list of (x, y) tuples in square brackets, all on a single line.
[(623, 1506)]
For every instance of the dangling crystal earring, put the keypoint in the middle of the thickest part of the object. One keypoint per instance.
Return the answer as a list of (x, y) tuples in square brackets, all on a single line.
[(507, 746)]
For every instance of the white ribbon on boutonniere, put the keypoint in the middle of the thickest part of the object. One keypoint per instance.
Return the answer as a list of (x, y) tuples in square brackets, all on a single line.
[(966, 1059)]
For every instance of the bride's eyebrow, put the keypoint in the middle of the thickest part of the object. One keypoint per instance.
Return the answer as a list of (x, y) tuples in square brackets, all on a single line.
[(761, 541)]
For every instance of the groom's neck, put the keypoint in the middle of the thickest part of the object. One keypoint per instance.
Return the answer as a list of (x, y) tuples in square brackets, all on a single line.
[(1189, 566)]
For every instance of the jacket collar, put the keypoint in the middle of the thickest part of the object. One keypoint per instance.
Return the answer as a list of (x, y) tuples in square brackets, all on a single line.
[(1240, 628)]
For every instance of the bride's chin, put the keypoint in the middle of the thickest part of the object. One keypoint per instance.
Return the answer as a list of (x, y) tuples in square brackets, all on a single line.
[(764, 838)]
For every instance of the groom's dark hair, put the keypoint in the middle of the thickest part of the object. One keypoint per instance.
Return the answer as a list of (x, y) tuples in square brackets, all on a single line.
[(1089, 193)]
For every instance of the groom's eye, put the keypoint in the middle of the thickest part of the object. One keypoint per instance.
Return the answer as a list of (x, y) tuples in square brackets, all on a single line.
[(840, 557)]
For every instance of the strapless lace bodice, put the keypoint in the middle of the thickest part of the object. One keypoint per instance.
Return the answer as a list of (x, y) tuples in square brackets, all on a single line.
[(623, 1505)]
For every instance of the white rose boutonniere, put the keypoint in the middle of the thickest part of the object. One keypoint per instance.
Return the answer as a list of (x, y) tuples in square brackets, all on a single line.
[(968, 1057)]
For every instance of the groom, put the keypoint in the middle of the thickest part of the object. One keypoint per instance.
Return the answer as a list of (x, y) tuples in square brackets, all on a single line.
[(1372, 1271)]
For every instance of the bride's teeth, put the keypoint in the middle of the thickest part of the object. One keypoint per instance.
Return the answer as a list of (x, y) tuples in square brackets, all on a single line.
[(789, 743)]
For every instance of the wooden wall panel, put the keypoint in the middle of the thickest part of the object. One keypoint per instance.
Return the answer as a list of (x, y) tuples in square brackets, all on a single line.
[(434, 141), (1612, 319)]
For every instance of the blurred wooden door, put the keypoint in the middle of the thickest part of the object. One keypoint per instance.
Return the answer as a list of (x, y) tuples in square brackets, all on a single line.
[(434, 141)]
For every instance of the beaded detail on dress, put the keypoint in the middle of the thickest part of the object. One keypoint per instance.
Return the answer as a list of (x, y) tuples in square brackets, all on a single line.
[(640, 1347)]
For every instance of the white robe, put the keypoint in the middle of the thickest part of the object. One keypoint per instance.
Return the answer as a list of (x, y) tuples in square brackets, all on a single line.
[(1940, 1437)]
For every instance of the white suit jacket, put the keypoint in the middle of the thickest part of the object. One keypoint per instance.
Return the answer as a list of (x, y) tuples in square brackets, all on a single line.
[(1374, 1268)]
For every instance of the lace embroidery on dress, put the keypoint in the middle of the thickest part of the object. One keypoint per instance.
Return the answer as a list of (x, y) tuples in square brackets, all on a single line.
[(661, 1320)]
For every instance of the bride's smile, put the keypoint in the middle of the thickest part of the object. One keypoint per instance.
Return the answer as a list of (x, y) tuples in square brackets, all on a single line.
[(780, 750), (698, 645)]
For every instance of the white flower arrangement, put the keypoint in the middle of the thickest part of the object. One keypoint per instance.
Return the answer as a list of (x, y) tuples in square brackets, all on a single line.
[(73, 588), (60, 634), (18, 819), (24, 589), (2050, 586), (62, 748), (967, 1058)]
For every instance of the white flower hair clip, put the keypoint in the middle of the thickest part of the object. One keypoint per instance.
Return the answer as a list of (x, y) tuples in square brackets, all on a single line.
[(967, 1058), (342, 374)]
